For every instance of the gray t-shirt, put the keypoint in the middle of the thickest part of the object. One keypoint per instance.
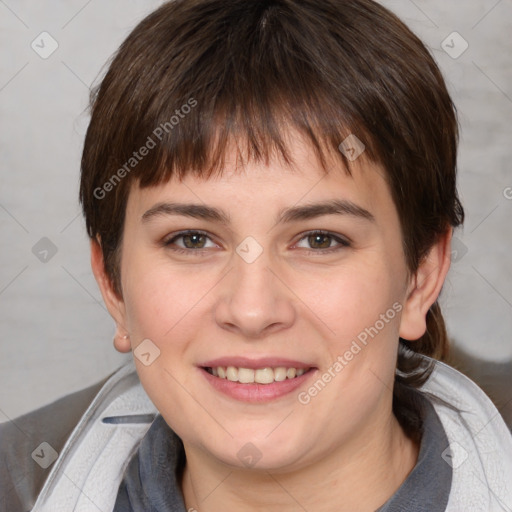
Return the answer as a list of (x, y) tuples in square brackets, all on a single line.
[(427, 487)]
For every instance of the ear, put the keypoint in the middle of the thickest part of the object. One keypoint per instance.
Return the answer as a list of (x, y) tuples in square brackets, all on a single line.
[(113, 301), (424, 288)]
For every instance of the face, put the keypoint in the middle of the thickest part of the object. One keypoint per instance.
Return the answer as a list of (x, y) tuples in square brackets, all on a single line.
[(271, 269)]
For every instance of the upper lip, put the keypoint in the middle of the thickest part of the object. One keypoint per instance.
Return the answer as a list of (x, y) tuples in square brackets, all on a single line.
[(262, 362)]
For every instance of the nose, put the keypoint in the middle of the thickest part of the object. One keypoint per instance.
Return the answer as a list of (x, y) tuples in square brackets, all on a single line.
[(254, 300)]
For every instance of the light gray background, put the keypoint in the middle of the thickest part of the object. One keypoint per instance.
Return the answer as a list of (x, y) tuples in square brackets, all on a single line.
[(56, 333)]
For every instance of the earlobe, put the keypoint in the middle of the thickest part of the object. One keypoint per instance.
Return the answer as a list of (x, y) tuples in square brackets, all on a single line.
[(425, 287), (114, 303), (122, 343)]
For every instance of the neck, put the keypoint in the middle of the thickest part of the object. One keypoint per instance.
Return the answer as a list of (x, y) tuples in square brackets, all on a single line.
[(363, 477)]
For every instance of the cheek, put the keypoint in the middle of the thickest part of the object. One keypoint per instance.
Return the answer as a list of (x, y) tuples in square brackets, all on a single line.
[(351, 300), (162, 304), (361, 307), (362, 311), (159, 297)]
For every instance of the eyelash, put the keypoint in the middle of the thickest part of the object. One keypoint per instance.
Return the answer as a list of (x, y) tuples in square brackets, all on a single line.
[(343, 242)]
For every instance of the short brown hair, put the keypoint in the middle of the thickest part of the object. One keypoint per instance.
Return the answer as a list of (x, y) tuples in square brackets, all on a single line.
[(252, 69)]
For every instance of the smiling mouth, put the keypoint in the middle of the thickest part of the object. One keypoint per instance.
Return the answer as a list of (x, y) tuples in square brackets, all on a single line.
[(265, 375)]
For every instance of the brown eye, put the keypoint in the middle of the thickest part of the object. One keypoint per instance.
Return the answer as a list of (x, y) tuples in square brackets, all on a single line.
[(319, 241), (194, 241)]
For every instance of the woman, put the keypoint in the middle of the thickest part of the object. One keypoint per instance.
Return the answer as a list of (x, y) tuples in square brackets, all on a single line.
[(270, 192)]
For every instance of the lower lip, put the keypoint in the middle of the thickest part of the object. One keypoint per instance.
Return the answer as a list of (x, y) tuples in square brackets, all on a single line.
[(257, 393)]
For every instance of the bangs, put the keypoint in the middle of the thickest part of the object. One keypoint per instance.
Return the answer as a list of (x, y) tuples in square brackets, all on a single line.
[(259, 129)]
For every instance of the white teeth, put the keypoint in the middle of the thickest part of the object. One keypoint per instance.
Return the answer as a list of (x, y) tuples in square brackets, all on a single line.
[(280, 374), (232, 373), (259, 376), (245, 375), (264, 376)]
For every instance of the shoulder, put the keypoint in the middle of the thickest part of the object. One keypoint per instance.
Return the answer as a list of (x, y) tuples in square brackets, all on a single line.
[(29, 444), (458, 392), (479, 442), (456, 397)]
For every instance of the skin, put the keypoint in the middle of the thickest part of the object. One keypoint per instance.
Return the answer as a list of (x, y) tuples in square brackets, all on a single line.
[(344, 450)]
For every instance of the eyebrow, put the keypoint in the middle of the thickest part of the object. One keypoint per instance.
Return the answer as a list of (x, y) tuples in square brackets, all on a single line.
[(295, 213), (333, 207)]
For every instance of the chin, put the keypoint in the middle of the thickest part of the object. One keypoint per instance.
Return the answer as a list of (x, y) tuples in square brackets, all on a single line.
[(260, 452)]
